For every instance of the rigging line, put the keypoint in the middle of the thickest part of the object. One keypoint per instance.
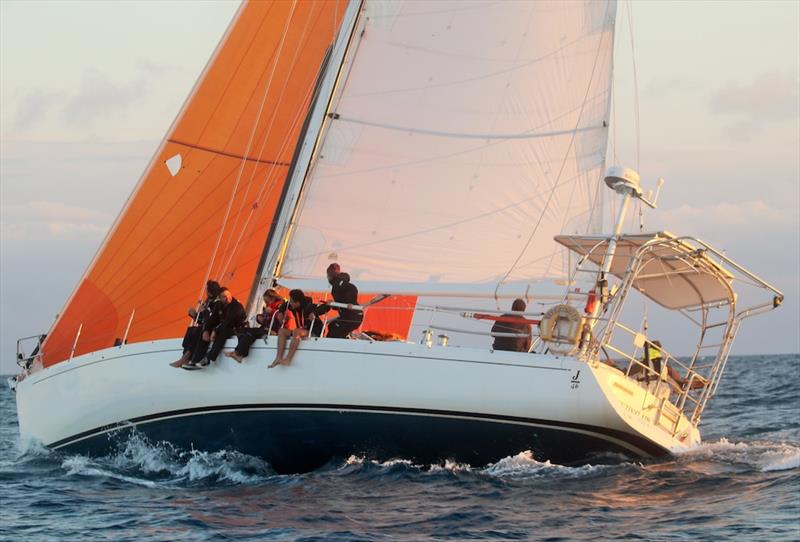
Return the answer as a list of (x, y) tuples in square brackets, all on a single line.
[(153, 162), (179, 256), (527, 134), (635, 85), (213, 212), (243, 199), (637, 128), (247, 150), (284, 145), (563, 163), (267, 177)]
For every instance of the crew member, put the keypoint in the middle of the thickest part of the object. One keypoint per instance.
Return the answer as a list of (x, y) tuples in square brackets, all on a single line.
[(513, 344), (269, 321), (299, 322), (345, 292), (231, 318), (194, 332)]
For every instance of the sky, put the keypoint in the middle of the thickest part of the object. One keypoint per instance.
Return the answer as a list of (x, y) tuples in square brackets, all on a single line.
[(88, 89)]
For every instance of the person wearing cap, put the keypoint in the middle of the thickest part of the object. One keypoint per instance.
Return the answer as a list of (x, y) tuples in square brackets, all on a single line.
[(269, 321), (345, 292), (199, 317)]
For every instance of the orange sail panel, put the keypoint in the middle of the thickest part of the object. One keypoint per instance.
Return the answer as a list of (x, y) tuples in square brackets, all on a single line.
[(206, 202)]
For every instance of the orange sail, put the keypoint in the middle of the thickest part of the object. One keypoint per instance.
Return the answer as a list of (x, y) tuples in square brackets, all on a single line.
[(205, 204)]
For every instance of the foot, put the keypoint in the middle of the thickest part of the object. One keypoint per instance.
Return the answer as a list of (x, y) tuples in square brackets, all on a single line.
[(190, 366), (180, 362), (205, 362), (275, 363), (236, 357)]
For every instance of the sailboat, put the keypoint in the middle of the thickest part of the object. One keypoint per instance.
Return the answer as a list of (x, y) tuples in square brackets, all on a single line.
[(451, 157)]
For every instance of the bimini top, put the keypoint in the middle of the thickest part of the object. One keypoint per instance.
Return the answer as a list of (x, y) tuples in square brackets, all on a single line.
[(674, 272)]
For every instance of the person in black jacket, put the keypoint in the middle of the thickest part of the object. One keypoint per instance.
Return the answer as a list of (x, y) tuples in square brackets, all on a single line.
[(299, 322), (514, 344), (342, 291), (194, 332), (221, 325)]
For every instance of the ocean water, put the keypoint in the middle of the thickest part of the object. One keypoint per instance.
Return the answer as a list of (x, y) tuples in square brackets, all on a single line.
[(743, 484)]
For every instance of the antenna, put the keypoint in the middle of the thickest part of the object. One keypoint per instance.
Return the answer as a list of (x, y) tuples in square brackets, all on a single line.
[(651, 201)]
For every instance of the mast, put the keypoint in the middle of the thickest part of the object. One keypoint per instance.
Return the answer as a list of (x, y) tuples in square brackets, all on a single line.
[(251, 299), (626, 183), (280, 229)]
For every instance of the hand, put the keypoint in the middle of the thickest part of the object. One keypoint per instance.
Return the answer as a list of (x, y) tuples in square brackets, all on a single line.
[(193, 313), (206, 336), (213, 337)]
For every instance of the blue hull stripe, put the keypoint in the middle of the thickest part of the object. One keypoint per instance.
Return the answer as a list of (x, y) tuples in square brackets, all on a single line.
[(295, 437)]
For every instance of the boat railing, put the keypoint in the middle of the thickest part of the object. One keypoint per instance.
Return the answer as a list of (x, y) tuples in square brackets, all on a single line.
[(683, 392), (32, 343)]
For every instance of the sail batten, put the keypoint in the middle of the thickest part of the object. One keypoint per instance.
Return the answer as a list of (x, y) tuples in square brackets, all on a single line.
[(242, 121)]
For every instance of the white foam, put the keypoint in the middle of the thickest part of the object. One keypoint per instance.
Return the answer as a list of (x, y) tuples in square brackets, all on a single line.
[(523, 465), (762, 455), (83, 466)]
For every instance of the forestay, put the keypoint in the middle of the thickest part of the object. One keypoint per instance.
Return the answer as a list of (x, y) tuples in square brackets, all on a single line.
[(463, 137)]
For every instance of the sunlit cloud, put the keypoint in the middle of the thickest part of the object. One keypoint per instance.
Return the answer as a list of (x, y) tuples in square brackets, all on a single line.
[(99, 95), (44, 220), (770, 98)]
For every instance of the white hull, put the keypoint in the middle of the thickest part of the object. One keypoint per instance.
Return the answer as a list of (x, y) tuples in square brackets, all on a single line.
[(543, 401)]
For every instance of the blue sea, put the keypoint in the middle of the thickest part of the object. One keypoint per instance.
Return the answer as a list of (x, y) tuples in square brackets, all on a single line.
[(742, 484)]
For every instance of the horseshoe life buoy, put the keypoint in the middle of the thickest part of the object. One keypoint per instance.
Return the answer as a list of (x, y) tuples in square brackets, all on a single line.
[(561, 328)]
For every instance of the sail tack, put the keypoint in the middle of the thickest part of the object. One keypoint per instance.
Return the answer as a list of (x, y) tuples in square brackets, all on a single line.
[(204, 206), (464, 137)]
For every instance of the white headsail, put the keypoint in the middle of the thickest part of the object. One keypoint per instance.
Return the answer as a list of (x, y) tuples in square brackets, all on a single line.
[(463, 137)]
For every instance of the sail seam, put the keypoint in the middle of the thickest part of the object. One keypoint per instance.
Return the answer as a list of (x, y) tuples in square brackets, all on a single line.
[(229, 154), (527, 134)]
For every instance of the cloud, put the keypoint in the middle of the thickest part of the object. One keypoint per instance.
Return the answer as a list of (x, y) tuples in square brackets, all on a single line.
[(33, 107), (667, 86), (46, 220), (727, 217), (763, 237), (153, 69), (99, 95), (770, 98)]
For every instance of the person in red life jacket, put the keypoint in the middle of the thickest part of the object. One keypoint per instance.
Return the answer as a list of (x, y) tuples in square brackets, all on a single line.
[(342, 291), (513, 344), (194, 333), (230, 319), (299, 322), (269, 321)]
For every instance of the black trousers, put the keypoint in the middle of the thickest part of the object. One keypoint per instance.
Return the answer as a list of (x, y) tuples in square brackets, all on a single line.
[(246, 339), (219, 341), (211, 350), (342, 326), (190, 338)]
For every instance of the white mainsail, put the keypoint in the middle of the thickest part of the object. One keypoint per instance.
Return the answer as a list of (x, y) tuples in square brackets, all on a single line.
[(463, 137)]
